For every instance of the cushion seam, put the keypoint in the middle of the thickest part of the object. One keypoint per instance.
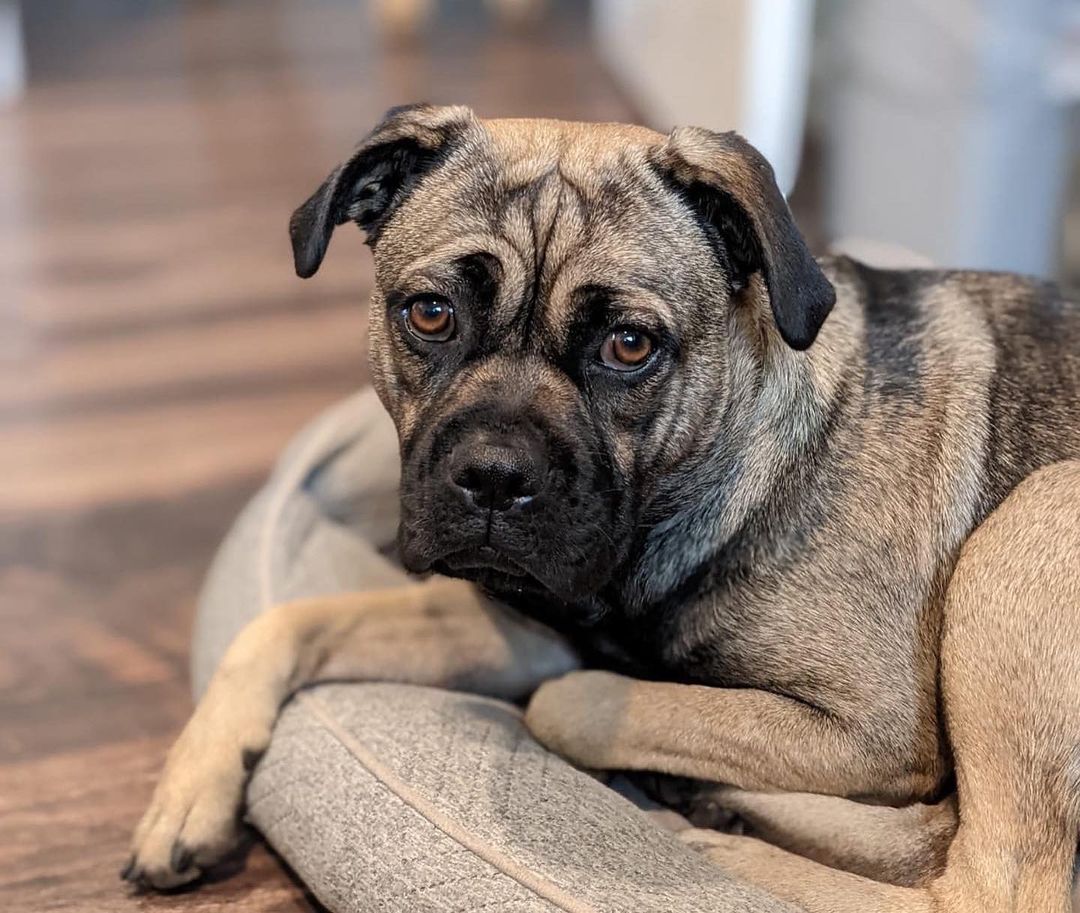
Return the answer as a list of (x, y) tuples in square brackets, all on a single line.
[(532, 881)]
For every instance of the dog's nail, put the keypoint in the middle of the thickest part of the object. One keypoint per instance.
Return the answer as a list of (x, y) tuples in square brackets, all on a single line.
[(129, 868), (181, 858)]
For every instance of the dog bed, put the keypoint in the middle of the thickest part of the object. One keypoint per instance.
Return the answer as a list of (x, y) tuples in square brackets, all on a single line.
[(406, 799)]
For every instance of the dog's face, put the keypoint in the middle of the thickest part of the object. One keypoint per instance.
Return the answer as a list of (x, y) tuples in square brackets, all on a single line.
[(552, 326)]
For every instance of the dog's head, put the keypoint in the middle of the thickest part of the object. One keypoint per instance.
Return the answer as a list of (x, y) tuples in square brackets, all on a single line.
[(552, 326)]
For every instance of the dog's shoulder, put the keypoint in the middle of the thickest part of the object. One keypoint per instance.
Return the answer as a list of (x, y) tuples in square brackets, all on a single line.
[(998, 353), (1034, 394), (898, 294), (1032, 326)]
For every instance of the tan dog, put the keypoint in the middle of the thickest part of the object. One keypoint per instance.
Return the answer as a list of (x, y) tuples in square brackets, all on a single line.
[(632, 406)]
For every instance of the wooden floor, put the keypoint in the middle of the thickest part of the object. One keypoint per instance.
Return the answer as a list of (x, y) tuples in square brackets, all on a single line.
[(156, 351)]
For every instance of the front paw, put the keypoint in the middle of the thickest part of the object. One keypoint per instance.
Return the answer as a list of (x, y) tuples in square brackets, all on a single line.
[(193, 821), (701, 802), (581, 717)]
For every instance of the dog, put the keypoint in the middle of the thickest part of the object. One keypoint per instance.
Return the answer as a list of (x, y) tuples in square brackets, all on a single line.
[(803, 528)]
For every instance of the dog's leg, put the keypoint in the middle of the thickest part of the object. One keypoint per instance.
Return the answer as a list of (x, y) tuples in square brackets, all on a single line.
[(903, 845), (1011, 688), (818, 888), (438, 633), (1010, 675), (808, 885), (752, 739)]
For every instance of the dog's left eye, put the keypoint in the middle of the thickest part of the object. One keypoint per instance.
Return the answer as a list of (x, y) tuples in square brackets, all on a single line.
[(430, 318), (626, 349)]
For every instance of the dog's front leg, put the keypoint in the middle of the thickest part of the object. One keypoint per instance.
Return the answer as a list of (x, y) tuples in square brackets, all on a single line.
[(441, 633), (744, 737)]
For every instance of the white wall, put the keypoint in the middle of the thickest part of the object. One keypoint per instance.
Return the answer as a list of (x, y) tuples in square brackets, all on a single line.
[(722, 64), (12, 59)]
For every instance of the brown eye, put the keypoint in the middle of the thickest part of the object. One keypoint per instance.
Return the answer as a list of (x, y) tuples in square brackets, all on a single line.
[(626, 349), (431, 318)]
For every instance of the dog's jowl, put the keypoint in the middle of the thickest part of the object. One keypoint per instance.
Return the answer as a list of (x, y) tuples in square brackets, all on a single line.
[(814, 527)]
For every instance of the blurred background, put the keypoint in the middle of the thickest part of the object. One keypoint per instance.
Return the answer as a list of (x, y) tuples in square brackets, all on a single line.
[(156, 350)]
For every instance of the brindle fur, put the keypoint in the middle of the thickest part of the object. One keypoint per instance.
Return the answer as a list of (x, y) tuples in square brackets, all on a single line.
[(760, 528)]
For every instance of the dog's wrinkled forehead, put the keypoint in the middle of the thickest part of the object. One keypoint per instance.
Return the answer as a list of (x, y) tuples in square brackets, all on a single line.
[(560, 206), (622, 203)]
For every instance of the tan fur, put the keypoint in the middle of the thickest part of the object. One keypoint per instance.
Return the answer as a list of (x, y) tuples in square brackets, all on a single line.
[(1011, 676), (440, 633), (1011, 679), (866, 663), (1013, 714), (901, 845)]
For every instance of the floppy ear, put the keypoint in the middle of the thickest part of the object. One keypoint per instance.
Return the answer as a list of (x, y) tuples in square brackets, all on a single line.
[(732, 190), (369, 186)]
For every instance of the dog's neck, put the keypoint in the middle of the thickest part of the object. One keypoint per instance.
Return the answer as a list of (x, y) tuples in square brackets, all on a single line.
[(780, 414)]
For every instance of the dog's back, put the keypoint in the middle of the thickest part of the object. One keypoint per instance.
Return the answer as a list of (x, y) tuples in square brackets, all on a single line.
[(1034, 395), (1011, 343)]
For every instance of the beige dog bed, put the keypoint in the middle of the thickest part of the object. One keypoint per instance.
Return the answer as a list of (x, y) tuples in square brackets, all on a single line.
[(395, 798)]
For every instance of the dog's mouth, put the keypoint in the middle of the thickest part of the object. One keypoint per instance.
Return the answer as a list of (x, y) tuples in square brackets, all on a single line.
[(483, 557), (490, 568)]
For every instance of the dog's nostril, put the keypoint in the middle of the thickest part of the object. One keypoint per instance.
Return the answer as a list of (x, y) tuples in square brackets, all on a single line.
[(495, 477)]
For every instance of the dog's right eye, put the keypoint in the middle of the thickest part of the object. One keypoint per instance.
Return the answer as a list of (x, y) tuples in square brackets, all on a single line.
[(626, 349), (430, 317)]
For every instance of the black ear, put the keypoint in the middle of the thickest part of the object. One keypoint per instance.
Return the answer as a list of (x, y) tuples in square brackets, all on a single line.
[(732, 190), (373, 182)]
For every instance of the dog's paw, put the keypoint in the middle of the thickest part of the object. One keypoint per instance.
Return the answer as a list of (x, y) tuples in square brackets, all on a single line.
[(702, 803), (193, 821), (579, 716), (712, 809)]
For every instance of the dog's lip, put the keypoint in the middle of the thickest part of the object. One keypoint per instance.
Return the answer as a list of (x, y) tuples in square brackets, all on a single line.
[(494, 570), (483, 557)]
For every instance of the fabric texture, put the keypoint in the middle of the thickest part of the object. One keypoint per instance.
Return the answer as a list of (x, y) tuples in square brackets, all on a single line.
[(396, 798)]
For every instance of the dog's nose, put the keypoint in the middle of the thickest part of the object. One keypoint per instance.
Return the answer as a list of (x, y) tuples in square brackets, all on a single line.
[(496, 475)]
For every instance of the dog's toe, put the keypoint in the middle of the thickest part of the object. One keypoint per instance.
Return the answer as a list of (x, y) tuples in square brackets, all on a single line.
[(192, 823), (174, 854), (128, 869), (182, 858)]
